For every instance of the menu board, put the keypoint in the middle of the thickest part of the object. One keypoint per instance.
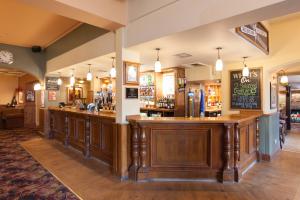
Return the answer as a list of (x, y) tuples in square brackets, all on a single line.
[(51, 83), (245, 92)]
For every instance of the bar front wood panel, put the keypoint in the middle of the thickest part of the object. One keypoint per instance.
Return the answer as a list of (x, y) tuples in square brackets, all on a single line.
[(102, 132), (58, 129), (91, 134), (218, 151), (173, 147), (76, 129)]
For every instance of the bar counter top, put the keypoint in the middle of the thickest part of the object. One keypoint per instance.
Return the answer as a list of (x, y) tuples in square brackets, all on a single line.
[(234, 118), (105, 114)]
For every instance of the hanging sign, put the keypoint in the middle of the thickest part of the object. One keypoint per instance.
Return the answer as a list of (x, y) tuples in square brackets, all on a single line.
[(51, 83), (256, 34)]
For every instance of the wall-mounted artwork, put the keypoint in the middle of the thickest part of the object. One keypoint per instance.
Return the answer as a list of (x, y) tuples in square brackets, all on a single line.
[(74, 94), (131, 75), (30, 96), (52, 95), (273, 95), (21, 97)]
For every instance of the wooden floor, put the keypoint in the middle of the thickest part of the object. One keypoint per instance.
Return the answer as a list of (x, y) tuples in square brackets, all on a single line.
[(276, 180), (292, 140)]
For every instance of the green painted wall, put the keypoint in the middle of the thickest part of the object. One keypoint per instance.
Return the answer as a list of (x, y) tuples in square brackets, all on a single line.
[(77, 37), (269, 134), (25, 60)]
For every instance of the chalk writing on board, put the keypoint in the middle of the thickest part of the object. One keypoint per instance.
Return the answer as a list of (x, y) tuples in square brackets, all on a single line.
[(245, 91)]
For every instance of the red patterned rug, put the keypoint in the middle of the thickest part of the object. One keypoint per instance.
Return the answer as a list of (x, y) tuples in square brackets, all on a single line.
[(22, 177)]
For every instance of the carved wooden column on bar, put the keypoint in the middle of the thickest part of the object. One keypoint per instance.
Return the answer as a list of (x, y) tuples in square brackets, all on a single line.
[(135, 152), (236, 152), (227, 170), (257, 140), (51, 134), (143, 149), (87, 137), (67, 134)]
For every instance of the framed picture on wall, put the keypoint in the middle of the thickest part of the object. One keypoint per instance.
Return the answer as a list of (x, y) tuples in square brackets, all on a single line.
[(273, 95), (52, 95), (131, 73), (20, 97), (74, 94), (29, 96)]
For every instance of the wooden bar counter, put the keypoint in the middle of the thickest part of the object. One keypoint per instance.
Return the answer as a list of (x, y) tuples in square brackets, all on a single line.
[(91, 133), (218, 148)]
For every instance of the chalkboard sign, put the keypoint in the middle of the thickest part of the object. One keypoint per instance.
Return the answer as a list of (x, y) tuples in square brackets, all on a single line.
[(51, 83), (245, 92)]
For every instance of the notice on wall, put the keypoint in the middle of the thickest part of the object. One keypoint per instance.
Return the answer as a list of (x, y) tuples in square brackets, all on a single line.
[(51, 83), (132, 93), (245, 92), (257, 34)]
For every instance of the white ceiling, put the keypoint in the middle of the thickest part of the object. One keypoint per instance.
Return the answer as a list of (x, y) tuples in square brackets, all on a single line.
[(201, 43)]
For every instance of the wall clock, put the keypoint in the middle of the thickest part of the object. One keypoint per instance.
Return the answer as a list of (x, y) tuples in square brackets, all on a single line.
[(6, 57)]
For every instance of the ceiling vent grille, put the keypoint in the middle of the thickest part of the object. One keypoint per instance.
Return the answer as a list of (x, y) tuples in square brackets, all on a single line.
[(183, 55), (198, 64)]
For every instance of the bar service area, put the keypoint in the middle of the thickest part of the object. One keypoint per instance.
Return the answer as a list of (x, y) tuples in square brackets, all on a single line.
[(179, 131)]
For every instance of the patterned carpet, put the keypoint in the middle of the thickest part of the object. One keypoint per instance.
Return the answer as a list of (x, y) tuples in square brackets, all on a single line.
[(21, 177)]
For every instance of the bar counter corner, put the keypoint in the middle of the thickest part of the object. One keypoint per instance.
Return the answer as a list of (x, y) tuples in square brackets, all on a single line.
[(218, 148)]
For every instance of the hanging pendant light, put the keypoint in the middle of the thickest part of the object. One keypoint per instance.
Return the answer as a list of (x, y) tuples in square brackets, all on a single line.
[(37, 86), (59, 81), (89, 75), (246, 71), (113, 72), (219, 62), (157, 65), (72, 79), (284, 80)]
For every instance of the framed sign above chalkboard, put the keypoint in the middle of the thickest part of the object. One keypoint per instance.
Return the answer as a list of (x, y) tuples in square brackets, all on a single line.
[(245, 92)]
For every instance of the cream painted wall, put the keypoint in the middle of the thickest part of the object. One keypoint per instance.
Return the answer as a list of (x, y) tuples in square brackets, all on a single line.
[(284, 54), (8, 85), (201, 73)]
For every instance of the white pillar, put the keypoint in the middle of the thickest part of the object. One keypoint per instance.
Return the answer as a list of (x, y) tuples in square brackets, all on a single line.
[(124, 106)]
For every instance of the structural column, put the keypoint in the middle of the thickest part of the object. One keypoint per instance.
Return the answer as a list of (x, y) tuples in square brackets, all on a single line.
[(124, 107)]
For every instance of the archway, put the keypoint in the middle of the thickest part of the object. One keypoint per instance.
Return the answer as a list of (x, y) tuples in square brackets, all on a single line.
[(19, 103)]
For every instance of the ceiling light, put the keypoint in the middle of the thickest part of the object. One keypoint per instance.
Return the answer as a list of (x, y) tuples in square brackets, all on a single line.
[(72, 79), (89, 75), (37, 86), (59, 81), (219, 62), (157, 65), (284, 80), (113, 72), (246, 71)]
